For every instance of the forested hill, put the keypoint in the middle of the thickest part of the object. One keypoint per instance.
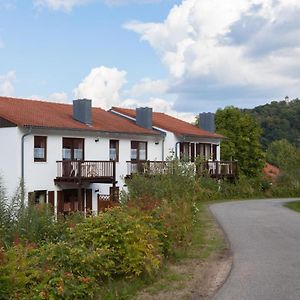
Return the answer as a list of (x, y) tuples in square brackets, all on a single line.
[(279, 120)]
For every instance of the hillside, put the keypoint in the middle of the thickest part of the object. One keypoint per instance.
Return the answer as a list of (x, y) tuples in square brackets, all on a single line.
[(279, 120)]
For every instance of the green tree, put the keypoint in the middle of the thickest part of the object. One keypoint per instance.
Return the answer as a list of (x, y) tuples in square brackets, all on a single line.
[(242, 140), (279, 120), (283, 155)]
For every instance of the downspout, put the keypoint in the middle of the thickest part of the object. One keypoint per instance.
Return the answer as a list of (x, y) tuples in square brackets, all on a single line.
[(163, 150), (176, 152), (22, 165)]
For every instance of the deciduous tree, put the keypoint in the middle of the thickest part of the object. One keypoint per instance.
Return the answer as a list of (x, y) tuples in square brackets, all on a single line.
[(242, 141)]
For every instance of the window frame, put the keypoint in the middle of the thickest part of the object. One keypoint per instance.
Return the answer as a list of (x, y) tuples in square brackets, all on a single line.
[(117, 150), (43, 139), (138, 148), (72, 143)]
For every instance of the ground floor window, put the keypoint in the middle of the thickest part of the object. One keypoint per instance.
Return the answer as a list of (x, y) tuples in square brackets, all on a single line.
[(38, 197)]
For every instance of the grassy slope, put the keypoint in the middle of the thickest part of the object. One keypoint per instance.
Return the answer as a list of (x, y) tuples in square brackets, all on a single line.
[(295, 205)]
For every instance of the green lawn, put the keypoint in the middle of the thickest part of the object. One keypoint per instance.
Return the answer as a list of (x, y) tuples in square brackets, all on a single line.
[(295, 205)]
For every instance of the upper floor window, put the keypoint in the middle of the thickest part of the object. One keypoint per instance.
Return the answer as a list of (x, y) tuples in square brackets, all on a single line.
[(184, 150), (73, 149), (114, 150), (138, 150), (40, 148)]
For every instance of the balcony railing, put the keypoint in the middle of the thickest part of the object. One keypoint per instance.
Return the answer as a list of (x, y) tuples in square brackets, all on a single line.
[(86, 170), (149, 167), (216, 169)]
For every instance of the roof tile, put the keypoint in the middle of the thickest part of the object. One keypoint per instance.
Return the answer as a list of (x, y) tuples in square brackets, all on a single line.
[(171, 124), (25, 112)]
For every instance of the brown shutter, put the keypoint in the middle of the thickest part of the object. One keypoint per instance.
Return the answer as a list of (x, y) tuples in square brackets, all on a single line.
[(60, 202), (89, 200), (51, 200)]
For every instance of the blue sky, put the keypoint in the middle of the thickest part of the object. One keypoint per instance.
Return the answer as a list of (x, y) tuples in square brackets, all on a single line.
[(179, 56)]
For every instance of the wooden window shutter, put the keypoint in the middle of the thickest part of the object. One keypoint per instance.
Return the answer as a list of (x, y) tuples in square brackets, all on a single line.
[(60, 202), (51, 199), (89, 200)]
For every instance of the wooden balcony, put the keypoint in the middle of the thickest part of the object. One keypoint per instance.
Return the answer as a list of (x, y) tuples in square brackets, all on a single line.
[(148, 167), (85, 171), (214, 169), (218, 169)]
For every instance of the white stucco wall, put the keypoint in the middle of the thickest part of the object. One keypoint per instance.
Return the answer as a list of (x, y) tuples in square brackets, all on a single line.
[(41, 175), (10, 158)]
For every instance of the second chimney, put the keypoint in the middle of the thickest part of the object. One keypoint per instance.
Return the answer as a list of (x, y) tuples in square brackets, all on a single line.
[(82, 111), (144, 117), (207, 122)]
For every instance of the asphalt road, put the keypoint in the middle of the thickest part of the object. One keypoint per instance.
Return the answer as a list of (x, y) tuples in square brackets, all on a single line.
[(265, 241)]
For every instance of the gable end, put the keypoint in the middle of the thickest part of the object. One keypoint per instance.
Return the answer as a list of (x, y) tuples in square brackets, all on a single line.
[(6, 123)]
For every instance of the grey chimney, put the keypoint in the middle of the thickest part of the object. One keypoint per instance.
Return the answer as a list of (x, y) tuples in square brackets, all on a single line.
[(207, 122), (82, 111), (144, 117)]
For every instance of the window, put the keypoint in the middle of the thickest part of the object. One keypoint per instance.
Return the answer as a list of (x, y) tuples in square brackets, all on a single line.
[(138, 150), (37, 197), (114, 150), (73, 149), (40, 148)]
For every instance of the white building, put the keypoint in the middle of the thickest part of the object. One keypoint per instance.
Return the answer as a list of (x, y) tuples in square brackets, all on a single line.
[(73, 156), (63, 160), (180, 139)]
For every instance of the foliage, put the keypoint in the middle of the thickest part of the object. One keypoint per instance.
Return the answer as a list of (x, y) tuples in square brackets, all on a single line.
[(279, 120), (283, 155), (242, 141), (121, 242), (126, 237)]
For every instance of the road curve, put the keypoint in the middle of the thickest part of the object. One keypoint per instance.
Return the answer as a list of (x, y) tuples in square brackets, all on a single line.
[(265, 242)]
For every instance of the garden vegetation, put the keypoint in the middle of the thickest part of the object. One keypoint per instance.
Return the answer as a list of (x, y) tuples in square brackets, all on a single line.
[(75, 257)]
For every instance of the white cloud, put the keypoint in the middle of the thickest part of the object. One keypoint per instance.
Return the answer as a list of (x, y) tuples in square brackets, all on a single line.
[(159, 105), (65, 5), (58, 97), (148, 86), (6, 83), (103, 86), (227, 48)]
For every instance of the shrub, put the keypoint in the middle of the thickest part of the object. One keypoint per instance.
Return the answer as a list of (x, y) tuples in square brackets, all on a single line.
[(126, 236)]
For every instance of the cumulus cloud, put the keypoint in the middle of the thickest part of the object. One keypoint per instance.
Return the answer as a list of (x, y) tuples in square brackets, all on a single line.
[(148, 86), (61, 97), (7, 83), (221, 50), (158, 105), (103, 86)]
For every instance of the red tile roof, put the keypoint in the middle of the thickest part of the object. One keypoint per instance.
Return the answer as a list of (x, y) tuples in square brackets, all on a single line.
[(25, 112), (171, 124)]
